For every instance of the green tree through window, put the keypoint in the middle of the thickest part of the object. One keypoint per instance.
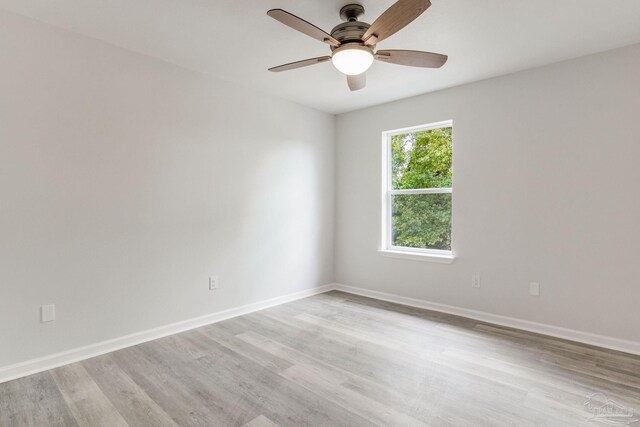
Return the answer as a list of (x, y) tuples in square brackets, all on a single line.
[(421, 180)]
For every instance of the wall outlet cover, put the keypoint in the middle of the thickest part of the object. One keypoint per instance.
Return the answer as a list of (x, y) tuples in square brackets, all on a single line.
[(534, 289), (47, 313), (475, 281)]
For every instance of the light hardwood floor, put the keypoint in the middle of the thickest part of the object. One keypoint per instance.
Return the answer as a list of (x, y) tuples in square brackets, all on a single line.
[(332, 360)]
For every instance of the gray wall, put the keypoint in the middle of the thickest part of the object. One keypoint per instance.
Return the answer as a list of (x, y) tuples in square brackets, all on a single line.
[(546, 174), (125, 182)]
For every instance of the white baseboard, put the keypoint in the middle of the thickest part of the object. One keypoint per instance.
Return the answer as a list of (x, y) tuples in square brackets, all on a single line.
[(45, 363), (41, 364), (632, 347)]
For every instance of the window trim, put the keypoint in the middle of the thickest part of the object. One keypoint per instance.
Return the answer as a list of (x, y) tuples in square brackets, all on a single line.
[(387, 248)]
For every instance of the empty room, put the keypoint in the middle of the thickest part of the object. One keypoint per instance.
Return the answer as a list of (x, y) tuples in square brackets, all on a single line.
[(319, 213)]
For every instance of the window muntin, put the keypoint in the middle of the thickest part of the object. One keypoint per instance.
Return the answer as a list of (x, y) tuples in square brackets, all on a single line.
[(418, 189)]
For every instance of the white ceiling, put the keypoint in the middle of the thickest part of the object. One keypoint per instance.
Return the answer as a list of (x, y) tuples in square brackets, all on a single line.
[(237, 41)]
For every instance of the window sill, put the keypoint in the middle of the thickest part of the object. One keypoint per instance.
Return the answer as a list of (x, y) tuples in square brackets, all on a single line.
[(441, 259)]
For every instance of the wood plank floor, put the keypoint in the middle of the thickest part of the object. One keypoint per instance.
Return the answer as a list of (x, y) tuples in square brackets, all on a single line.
[(332, 360)]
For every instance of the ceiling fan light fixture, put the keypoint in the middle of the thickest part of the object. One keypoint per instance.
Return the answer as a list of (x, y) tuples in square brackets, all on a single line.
[(352, 60)]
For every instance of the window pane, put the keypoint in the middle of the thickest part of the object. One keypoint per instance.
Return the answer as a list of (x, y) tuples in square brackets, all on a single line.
[(421, 221), (421, 159)]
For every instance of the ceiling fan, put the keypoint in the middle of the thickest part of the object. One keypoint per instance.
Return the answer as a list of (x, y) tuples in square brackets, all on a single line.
[(353, 42)]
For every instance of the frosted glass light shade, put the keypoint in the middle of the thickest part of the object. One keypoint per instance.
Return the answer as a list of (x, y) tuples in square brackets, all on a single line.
[(352, 60)]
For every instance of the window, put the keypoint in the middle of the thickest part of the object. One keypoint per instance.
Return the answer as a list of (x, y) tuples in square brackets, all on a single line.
[(417, 187)]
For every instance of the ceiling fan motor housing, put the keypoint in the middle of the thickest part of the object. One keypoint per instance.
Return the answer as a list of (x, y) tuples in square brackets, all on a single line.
[(350, 32)]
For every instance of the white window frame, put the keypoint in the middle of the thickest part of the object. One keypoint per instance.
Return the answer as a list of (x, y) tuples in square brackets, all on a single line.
[(387, 248)]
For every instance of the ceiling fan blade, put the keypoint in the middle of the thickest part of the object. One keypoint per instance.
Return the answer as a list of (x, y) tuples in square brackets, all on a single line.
[(303, 26), (413, 58), (357, 82), (300, 64), (398, 16)]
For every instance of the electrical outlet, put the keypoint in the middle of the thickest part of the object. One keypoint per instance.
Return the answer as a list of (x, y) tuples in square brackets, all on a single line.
[(534, 289), (47, 313), (214, 282), (475, 281)]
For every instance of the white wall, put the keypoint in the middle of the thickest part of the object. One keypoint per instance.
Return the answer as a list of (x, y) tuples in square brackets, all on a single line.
[(125, 182), (546, 175)]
